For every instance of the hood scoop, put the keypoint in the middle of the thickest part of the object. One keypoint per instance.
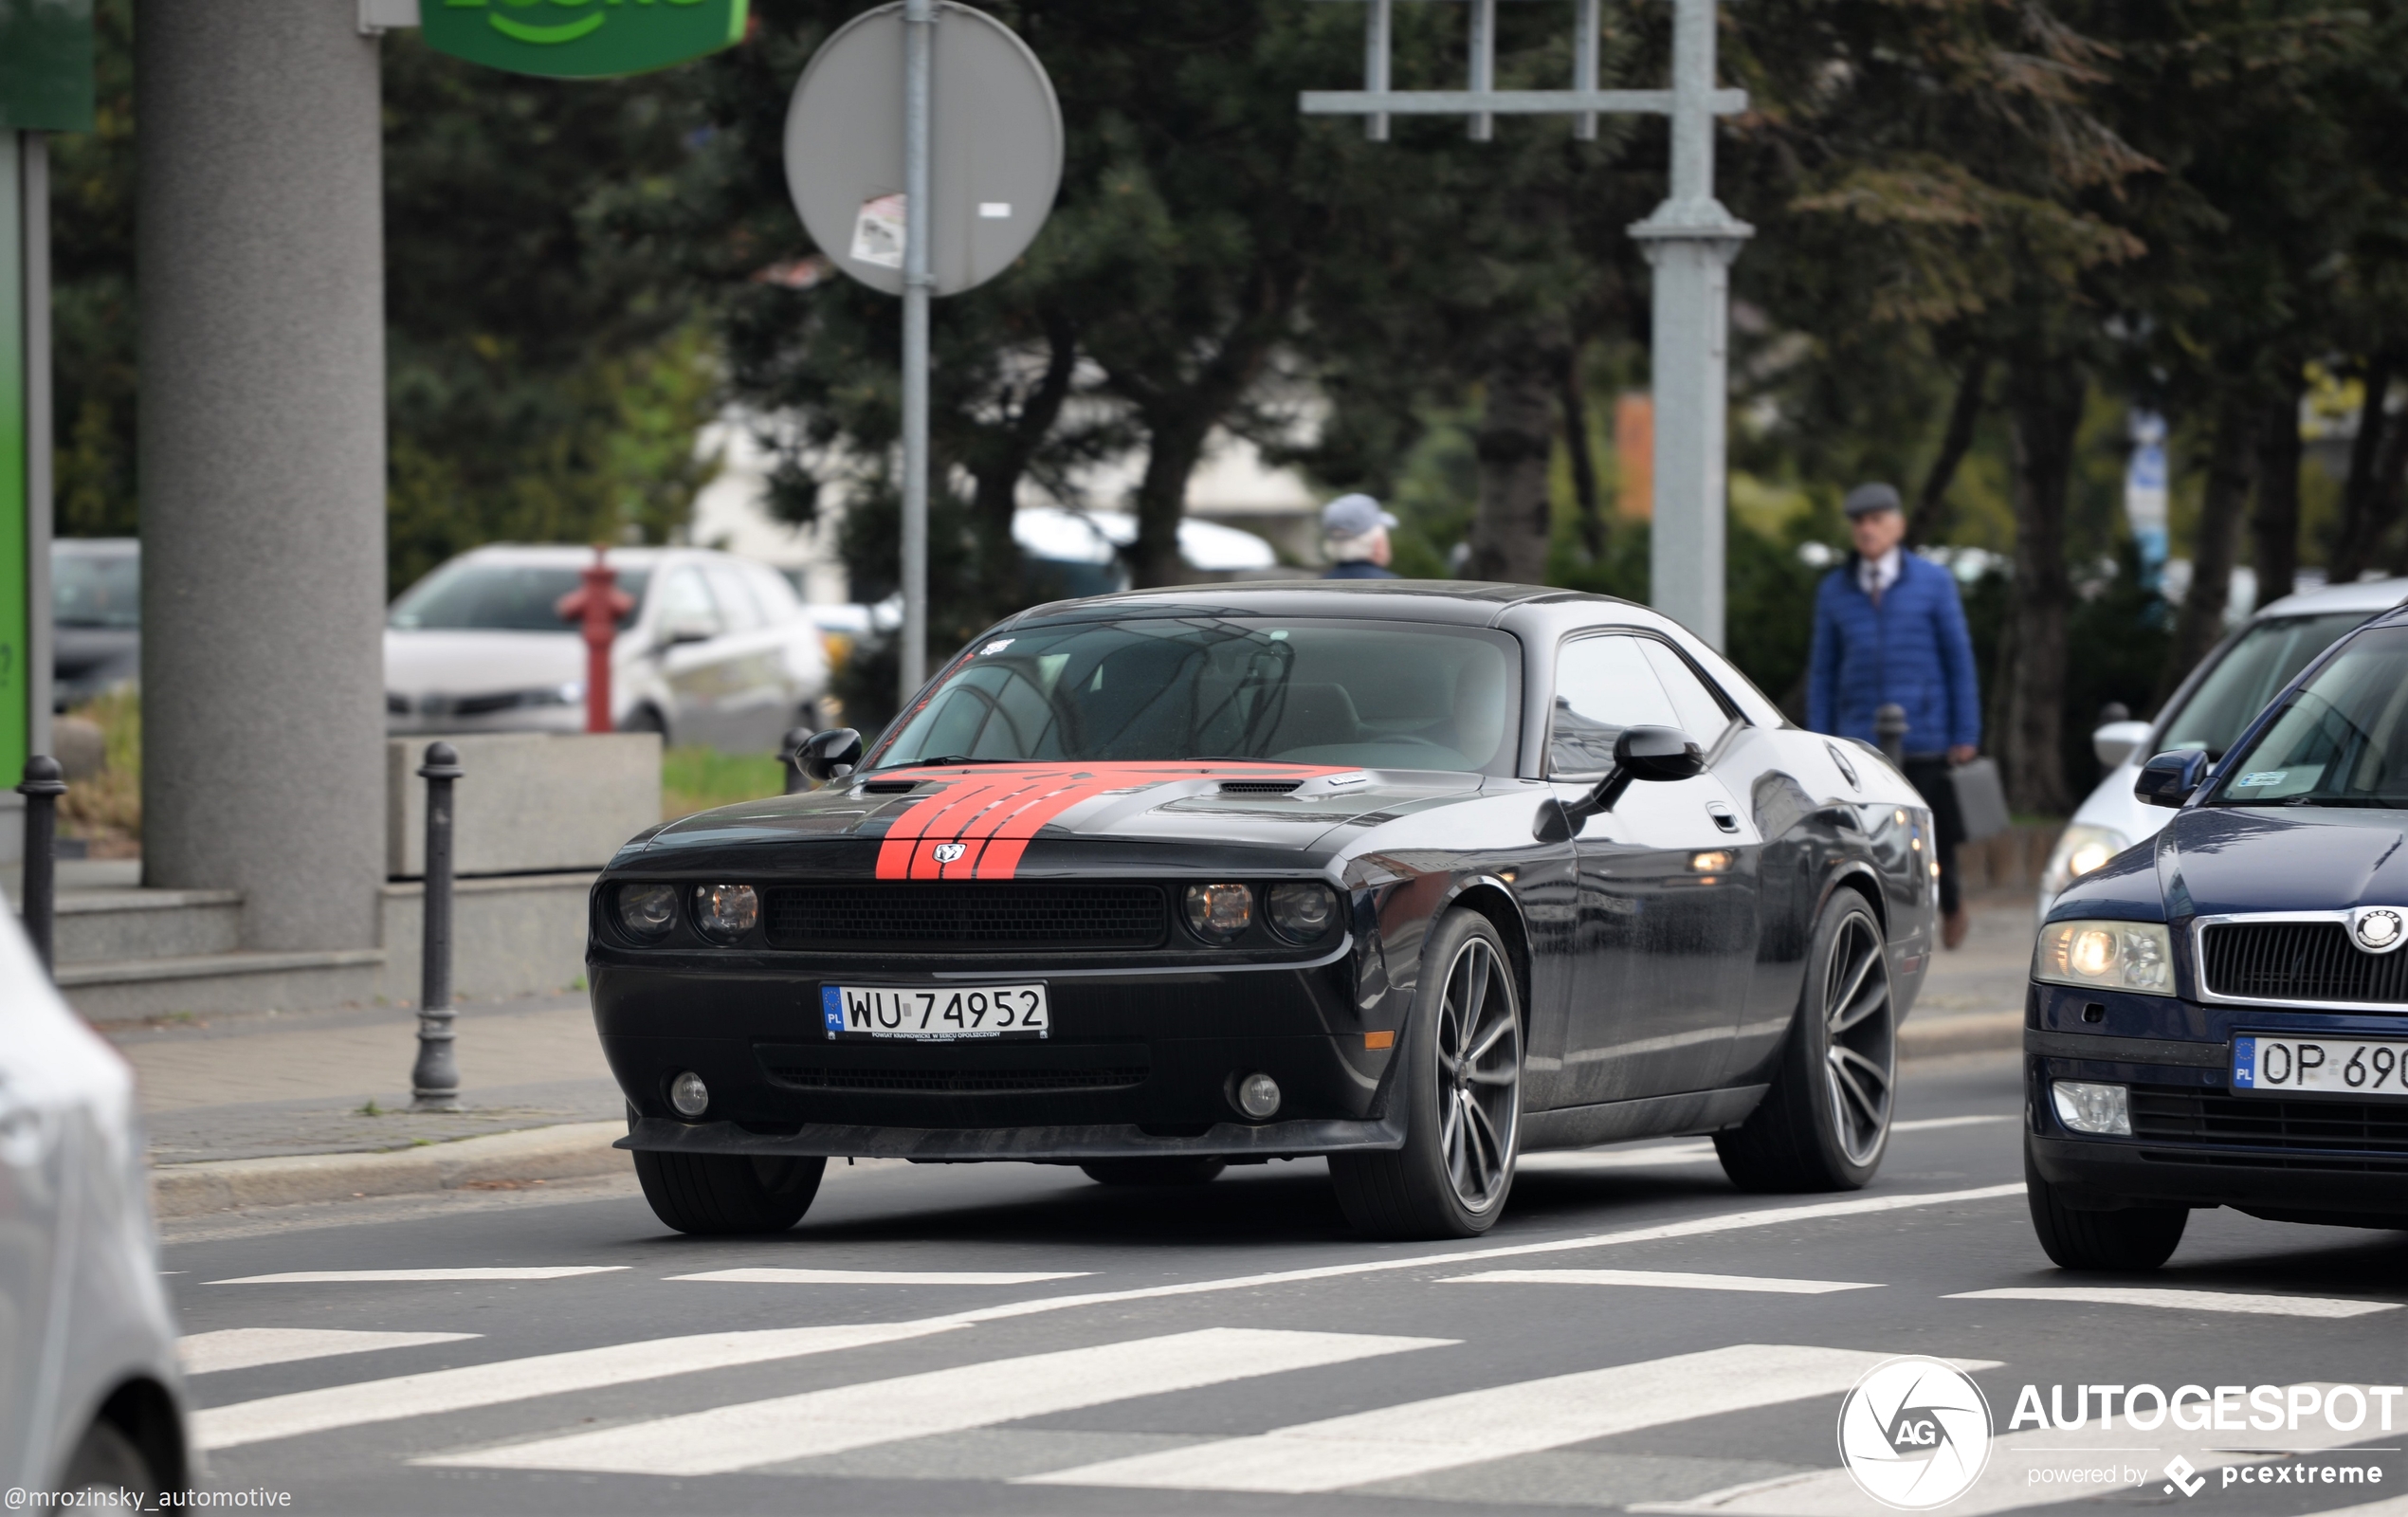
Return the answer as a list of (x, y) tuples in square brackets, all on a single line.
[(888, 787), (1259, 787)]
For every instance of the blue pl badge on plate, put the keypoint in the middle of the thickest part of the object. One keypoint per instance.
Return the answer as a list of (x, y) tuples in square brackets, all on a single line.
[(2244, 1064), (831, 1004)]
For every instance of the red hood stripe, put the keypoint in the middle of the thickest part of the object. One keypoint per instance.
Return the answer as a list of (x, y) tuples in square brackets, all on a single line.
[(993, 812)]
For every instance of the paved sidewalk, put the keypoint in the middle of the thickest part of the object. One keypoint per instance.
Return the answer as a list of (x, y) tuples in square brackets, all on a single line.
[(339, 1082)]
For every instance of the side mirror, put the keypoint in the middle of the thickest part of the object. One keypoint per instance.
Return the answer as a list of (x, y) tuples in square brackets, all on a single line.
[(2171, 779), (830, 755), (1639, 753), (678, 633), (2117, 741)]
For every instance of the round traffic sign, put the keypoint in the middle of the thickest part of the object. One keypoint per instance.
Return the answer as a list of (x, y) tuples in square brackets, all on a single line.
[(996, 148)]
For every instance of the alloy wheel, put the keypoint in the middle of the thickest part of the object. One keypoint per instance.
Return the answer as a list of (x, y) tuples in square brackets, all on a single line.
[(1860, 1053), (1479, 1073)]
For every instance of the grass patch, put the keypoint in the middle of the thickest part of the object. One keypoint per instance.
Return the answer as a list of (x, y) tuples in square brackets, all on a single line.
[(105, 809), (696, 779)]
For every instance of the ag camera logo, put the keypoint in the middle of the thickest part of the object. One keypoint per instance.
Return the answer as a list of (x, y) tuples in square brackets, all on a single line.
[(1914, 1432)]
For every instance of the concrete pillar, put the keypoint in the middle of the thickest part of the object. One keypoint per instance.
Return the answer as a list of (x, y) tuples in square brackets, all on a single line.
[(261, 267)]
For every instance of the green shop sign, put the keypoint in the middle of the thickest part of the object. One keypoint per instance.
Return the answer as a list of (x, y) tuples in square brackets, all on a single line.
[(580, 39)]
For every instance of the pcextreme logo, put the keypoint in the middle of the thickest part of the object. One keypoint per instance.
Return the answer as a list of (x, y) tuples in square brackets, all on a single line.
[(580, 39), (1914, 1432)]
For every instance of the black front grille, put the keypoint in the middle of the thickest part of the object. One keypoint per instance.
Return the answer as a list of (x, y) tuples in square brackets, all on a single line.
[(2358, 1135), (958, 1082), (938, 918), (2301, 961)]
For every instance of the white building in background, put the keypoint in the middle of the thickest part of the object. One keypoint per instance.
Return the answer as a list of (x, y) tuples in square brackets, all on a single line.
[(1243, 516)]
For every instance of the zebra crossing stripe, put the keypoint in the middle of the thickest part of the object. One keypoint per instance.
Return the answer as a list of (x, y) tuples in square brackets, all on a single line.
[(1397, 1441), (519, 1379), (883, 1277), (751, 1433), (1666, 1279), (249, 1347), (2185, 1300)]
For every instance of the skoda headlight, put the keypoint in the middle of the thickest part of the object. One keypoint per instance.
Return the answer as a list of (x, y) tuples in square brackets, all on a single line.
[(2127, 956), (2081, 848)]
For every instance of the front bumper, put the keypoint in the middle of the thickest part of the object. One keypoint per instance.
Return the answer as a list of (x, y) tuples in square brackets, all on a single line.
[(2195, 1143), (1137, 1062)]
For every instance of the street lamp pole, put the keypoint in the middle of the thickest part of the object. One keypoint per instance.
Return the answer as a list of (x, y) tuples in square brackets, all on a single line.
[(920, 23), (1689, 240)]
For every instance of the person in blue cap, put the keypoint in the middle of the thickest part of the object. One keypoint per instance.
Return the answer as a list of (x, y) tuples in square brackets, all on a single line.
[(1889, 628), (1355, 530)]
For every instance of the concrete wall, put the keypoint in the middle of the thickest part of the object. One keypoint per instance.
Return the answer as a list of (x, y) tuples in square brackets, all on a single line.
[(516, 936), (262, 432), (525, 801)]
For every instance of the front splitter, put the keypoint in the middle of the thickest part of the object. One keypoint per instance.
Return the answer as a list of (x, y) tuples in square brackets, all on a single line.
[(1228, 1140)]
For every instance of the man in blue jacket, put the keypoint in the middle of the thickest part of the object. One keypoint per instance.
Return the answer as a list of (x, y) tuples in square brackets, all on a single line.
[(1889, 628)]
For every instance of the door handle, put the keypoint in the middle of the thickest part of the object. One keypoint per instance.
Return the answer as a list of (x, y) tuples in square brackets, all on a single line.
[(1725, 818)]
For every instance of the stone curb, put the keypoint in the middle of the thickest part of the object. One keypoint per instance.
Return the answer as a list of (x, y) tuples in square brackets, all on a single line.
[(1968, 1033), (567, 1152)]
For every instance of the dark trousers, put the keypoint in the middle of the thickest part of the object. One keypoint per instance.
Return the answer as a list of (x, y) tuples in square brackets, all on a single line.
[(1928, 774)]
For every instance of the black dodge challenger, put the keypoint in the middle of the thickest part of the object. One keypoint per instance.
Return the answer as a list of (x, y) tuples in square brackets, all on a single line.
[(1414, 876)]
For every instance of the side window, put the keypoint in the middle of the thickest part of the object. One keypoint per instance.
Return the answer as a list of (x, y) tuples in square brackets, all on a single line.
[(1703, 714), (735, 597), (686, 608), (1602, 685)]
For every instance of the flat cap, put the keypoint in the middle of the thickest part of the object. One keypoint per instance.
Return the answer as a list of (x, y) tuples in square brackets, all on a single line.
[(1866, 498)]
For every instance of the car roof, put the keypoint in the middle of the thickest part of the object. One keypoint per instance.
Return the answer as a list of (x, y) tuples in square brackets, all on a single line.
[(1462, 602), (2368, 595)]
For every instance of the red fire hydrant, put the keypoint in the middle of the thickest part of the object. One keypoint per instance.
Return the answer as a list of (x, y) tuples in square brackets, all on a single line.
[(597, 606)]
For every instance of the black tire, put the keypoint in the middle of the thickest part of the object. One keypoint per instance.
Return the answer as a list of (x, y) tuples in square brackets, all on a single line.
[(106, 1460), (728, 1193), (1463, 1115), (1154, 1171), (646, 719), (1824, 1126), (2137, 1237)]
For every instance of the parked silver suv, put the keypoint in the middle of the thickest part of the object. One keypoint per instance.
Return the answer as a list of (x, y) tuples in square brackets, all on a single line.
[(717, 651)]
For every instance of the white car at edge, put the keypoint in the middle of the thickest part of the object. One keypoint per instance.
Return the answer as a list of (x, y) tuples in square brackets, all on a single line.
[(2207, 710), (716, 653), (90, 1396)]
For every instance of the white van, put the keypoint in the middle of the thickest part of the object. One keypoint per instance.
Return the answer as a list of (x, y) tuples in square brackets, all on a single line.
[(2208, 710)]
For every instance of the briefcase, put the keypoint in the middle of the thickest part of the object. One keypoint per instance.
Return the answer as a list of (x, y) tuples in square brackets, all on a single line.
[(1981, 800)]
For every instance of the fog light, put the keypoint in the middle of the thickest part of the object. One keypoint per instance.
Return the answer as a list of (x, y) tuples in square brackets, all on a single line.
[(727, 911), (689, 1095), (1258, 1096), (2105, 1109)]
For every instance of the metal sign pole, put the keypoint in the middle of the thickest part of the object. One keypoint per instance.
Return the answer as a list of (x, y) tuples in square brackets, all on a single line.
[(919, 21), (1691, 240)]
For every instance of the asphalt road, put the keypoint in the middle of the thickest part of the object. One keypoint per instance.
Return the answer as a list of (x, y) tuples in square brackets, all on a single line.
[(951, 1375)]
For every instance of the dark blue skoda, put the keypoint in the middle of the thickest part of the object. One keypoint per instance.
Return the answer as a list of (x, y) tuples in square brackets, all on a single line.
[(2220, 1016)]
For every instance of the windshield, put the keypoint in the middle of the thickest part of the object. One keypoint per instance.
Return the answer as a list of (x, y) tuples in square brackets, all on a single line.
[(96, 589), (499, 598), (1322, 692), (2269, 656), (2341, 740)]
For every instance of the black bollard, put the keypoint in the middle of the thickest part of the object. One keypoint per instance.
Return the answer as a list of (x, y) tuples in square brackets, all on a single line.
[(790, 748), (42, 789), (434, 1081), (1889, 731)]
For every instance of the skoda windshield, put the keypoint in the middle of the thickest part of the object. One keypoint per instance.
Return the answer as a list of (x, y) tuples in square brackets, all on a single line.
[(2342, 740), (1370, 694), (2264, 659), (468, 595)]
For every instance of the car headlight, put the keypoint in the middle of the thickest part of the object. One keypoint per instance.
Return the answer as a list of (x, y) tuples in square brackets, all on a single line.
[(1302, 910), (727, 911), (648, 910), (2128, 956), (1219, 912), (2081, 848)]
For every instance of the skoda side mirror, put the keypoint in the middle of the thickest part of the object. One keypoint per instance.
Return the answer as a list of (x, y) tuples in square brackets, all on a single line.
[(830, 755), (1639, 753), (2171, 779)]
